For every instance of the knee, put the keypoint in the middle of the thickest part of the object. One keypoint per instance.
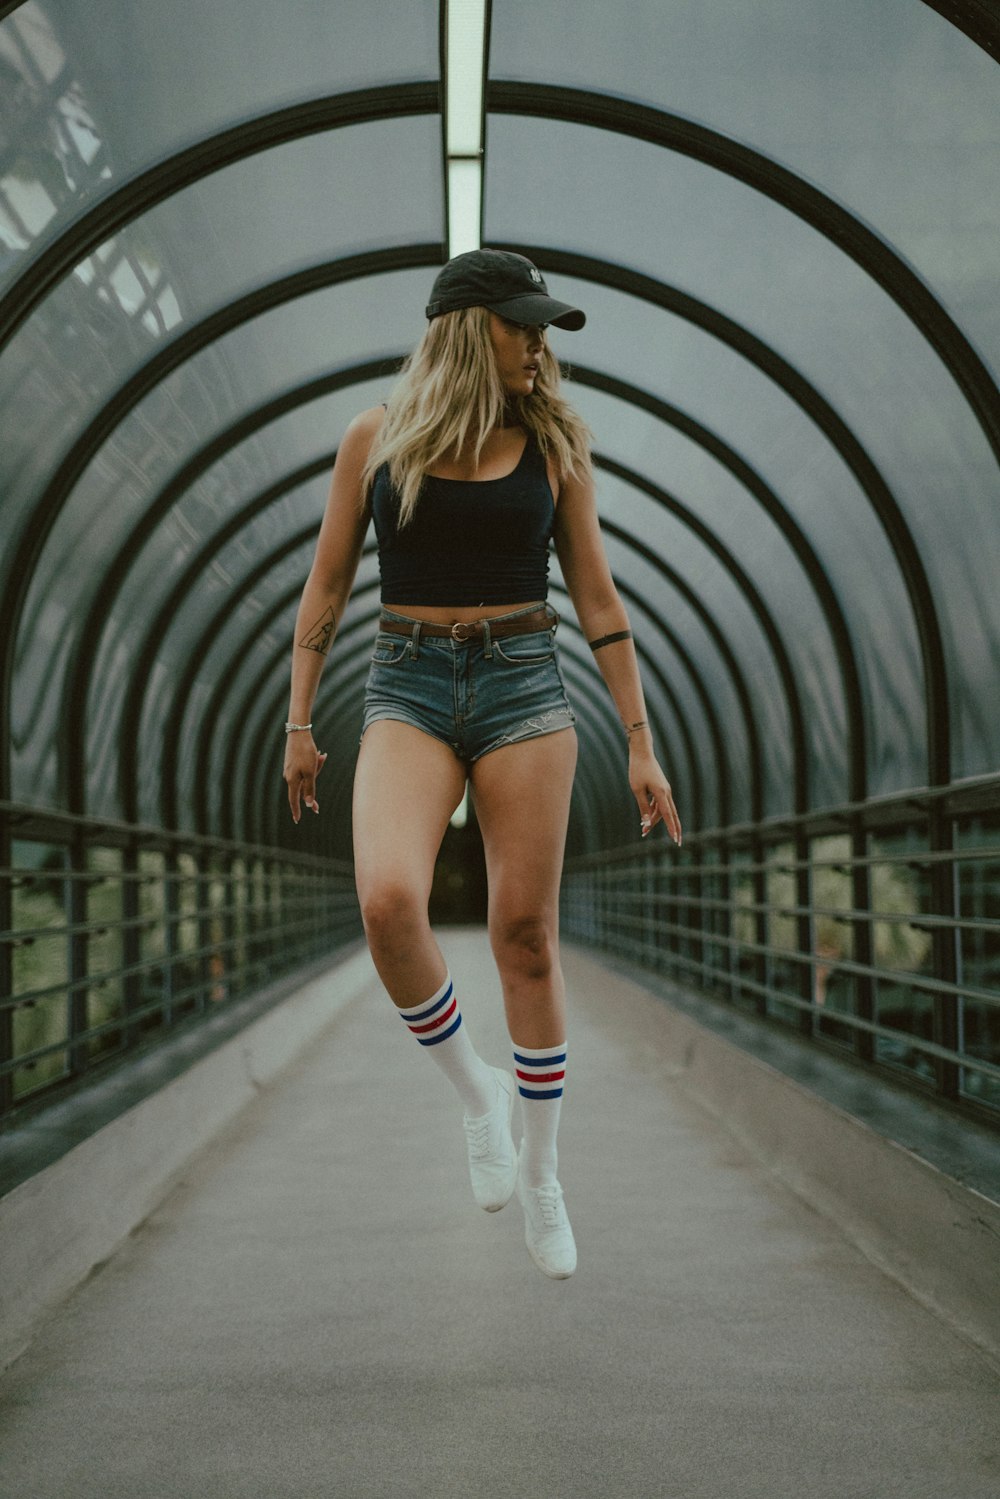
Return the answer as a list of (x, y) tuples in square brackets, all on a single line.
[(393, 914), (525, 946)]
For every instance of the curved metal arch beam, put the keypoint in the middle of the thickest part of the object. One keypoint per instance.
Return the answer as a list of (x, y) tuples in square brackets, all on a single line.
[(24, 568), (357, 661), (212, 713), (255, 796), (652, 668), (136, 691), (979, 19), (254, 691), (838, 433), (169, 789), (175, 716), (723, 647), (874, 255), (664, 732), (60, 487), (148, 188), (193, 340), (190, 471), (187, 475), (171, 733), (130, 729), (145, 656), (74, 732), (755, 600), (46, 510), (174, 720), (172, 725), (49, 505), (125, 400), (587, 686), (748, 477), (225, 319), (90, 634), (697, 803), (168, 358)]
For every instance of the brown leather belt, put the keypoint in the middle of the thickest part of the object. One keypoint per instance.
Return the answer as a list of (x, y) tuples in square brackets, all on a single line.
[(462, 630)]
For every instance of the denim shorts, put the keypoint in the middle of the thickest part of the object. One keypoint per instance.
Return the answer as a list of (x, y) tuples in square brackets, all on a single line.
[(473, 695)]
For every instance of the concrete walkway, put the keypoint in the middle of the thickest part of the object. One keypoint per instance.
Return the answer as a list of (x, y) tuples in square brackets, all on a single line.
[(318, 1309)]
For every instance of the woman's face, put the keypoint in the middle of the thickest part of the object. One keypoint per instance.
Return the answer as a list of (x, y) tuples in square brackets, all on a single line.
[(518, 348)]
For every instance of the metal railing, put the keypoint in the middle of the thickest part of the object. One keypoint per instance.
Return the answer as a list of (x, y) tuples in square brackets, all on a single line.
[(113, 935), (872, 928)]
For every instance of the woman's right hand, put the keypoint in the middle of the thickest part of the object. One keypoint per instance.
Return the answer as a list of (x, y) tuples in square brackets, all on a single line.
[(303, 763)]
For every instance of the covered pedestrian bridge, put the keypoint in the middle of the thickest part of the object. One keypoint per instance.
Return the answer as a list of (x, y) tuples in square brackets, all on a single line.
[(218, 227)]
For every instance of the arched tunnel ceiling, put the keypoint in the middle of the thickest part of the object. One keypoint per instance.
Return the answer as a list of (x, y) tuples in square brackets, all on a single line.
[(217, 230)]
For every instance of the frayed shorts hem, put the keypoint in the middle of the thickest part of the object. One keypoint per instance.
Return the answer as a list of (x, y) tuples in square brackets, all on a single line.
[(531, 728)]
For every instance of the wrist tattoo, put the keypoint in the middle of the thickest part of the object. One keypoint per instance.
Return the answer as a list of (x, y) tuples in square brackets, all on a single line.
[(319, 637), (595, 645)]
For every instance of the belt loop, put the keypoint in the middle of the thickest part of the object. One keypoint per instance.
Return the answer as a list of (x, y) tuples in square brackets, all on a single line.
[(487, 641), (415, 640)]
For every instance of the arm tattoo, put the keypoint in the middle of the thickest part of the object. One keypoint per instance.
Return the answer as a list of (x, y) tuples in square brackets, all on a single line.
[(319, 637)]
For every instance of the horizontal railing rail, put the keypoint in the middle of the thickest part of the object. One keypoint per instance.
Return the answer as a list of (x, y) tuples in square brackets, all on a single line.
[(113, 934), (871, 928)]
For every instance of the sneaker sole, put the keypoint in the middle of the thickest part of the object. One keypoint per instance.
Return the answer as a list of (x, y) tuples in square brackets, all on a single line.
[(547, 1269)]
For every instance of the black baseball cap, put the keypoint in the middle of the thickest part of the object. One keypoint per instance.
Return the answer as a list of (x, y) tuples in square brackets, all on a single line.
[(505, 283)]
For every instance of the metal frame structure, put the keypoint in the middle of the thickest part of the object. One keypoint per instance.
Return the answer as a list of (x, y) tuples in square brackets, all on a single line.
[(707, 917)]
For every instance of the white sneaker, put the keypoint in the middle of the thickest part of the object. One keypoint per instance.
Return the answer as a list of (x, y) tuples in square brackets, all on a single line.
[(547, 1231), (492, 1158)]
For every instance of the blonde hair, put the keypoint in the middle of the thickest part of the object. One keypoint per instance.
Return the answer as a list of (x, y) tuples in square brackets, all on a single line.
[(450, 397)]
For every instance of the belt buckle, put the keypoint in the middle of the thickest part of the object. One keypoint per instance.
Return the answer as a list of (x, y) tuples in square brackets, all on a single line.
[(459, 626)]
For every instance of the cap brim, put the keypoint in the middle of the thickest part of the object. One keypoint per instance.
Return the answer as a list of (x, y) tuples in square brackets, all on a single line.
[(540, 309)]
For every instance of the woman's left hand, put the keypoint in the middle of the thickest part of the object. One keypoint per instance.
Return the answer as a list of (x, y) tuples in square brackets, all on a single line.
[(651, 790)]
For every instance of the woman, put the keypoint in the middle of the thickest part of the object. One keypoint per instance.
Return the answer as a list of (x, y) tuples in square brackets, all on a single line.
[(474, 465)]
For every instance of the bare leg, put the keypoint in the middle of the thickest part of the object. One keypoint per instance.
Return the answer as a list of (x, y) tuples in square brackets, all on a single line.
[(406, 787), (522, 794)]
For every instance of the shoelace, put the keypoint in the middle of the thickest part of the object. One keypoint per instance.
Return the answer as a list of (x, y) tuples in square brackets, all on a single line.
[(478, 1133), (549, 1200)]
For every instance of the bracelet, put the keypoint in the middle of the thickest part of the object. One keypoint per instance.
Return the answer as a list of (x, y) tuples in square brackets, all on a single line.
[(595, 645), (290, 728), (630, 728)]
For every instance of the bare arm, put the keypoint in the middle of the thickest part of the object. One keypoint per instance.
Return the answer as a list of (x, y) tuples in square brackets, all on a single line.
[(601, 612), (323, 602)]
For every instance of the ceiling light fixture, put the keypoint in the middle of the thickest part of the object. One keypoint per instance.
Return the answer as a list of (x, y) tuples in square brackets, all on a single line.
[(465, 68)]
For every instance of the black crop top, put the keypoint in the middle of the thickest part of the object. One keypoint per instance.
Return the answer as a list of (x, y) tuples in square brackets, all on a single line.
[(468, 542)]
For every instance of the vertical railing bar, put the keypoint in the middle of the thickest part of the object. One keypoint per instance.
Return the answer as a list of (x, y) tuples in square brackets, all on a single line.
[(863, 936), (6, 965), (77, 999), (941, 831), (131, 898), (805, 930), (171, 912)]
